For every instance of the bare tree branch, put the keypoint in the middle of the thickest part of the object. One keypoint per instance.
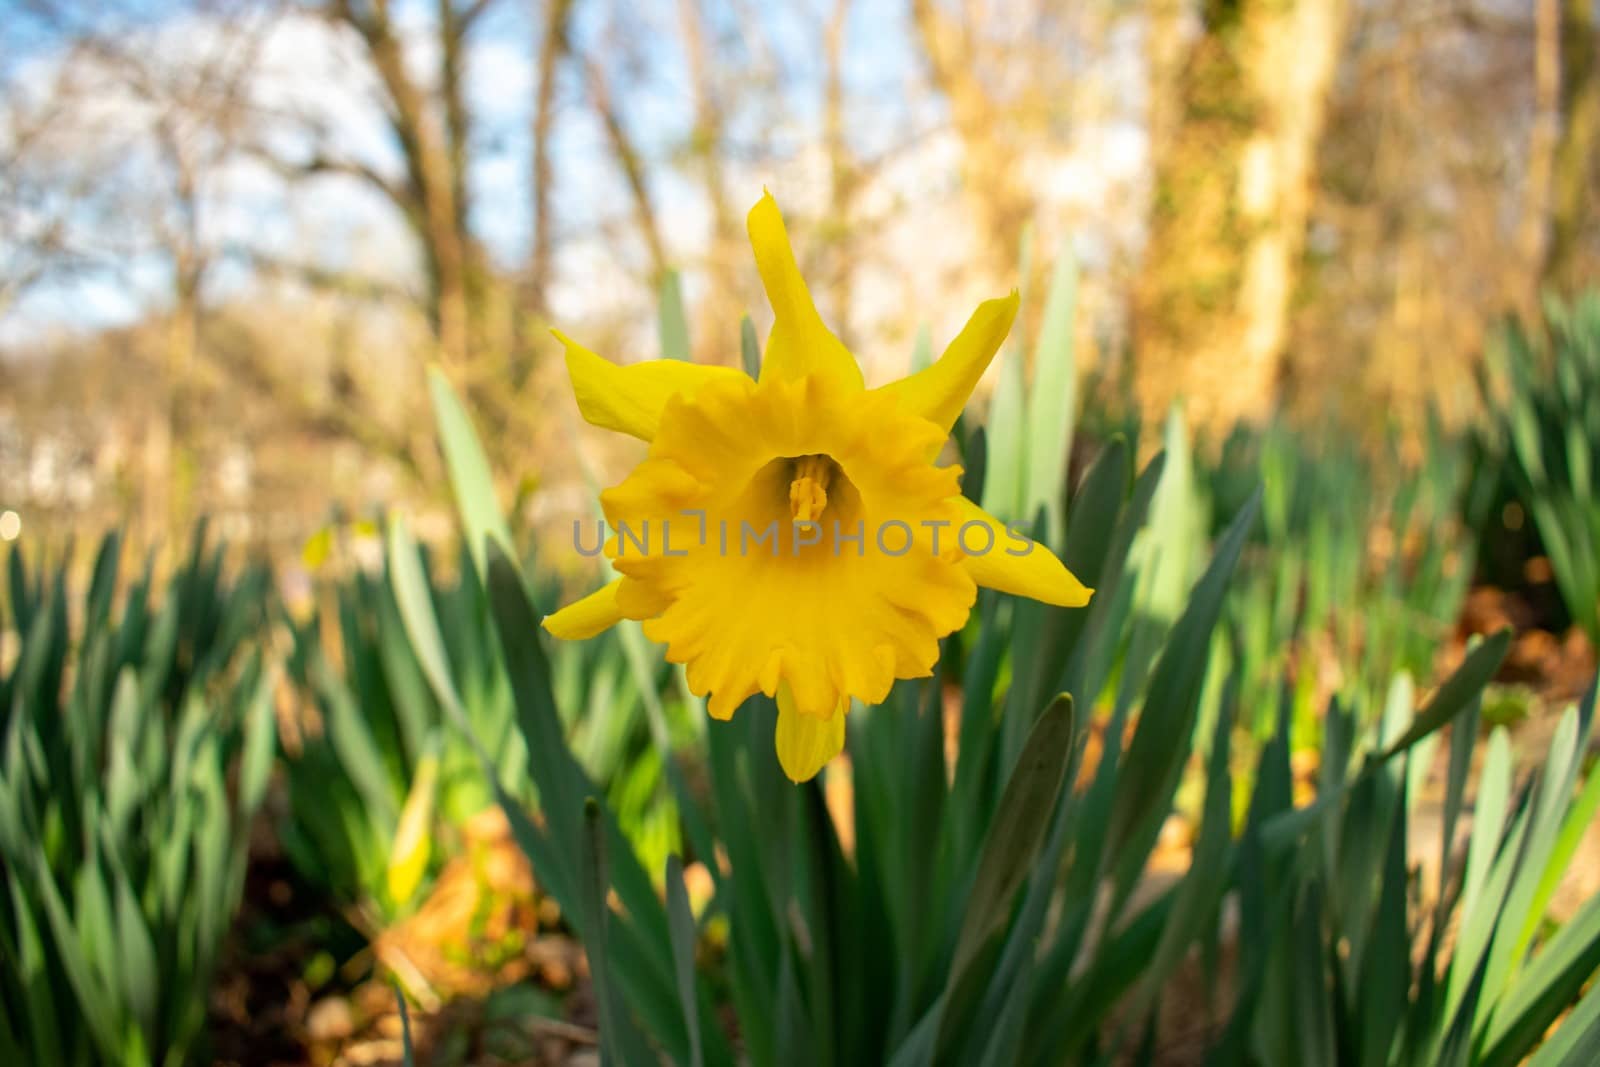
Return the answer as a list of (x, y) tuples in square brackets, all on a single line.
[(553, 46), (632, 165)]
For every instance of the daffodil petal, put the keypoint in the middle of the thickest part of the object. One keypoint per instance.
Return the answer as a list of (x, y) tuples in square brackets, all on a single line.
[(938, 392), (806, 742), (595, 613), (800, 343), (1012, 563), (629, 399), (744, 598), (408, 856)]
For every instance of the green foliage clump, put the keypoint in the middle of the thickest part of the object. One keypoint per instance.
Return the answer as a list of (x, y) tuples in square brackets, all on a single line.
[(1542, 395), (136, 740), (407, 680)]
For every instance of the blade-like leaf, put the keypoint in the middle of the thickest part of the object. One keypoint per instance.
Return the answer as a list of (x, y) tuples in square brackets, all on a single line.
[(672, 325), (683, 944), (1052, 399), (470, 477), (1460, 689), (1162, 740)]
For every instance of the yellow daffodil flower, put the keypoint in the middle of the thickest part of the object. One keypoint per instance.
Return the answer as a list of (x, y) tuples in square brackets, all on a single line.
[(794, 535)]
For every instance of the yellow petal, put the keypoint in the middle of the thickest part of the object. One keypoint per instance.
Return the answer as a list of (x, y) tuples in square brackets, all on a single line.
[(746, 597), (1010, 562), (800, 343), (595, 613), (408, 856), (939, 392), (629, 399), (806, 742), (317, 549)]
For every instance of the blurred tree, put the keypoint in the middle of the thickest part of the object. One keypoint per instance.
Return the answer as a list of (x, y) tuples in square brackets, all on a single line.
[(135, 177), (1237, 111), (123, 156), (998, 196), (430, 123), (631, 161), (1534, 237), (1434, 207), (552, 45), (706, 157), (1573, 176)]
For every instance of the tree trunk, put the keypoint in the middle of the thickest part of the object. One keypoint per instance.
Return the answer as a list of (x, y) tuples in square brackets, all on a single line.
[(1534, 229), (435, 154), (1238, 114), (715, 319), (1573, 173), (1000, 201), (552, 47), (167, 488)]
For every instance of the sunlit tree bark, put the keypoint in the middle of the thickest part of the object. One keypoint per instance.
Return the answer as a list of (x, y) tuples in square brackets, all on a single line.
[(1238, 112), (989, 172), (1572, 176)]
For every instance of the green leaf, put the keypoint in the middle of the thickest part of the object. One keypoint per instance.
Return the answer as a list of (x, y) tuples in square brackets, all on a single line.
[(355, 746), (922, 350), (97, 1006), (408, 1054), (31, 970), (1017, 830), (21, 595), (620, 1041), (470, 478), (136, 958), (1005, 456), (1579, 816), (1094, 645), (1518, 920), (672, 325), (1005, 1036), (1385, 979), (414, 597), (1490, 865), (103, 584), (1162, 740), (641, 943), (1312, 1010), (1008, 854), (1460, 689), (1463, 743), (683, 945), (260, 744), (749, 347), (1052, 400), (1048, 663), (1196, 901), (1576, 1043), (1169, 550), (1544, 988)]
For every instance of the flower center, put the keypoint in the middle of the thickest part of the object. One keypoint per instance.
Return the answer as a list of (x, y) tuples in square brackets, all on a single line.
[(808, 486)]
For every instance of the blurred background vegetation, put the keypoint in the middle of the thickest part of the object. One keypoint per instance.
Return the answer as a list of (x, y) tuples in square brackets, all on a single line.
[(235, 230), (1306, 381)]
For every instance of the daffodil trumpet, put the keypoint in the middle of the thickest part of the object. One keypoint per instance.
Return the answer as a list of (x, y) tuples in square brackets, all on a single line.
[(807, 543)]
